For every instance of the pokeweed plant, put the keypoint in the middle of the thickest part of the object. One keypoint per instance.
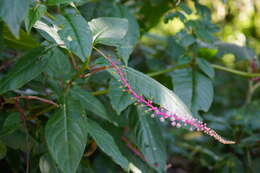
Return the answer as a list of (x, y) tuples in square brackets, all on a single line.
[(55, 104)]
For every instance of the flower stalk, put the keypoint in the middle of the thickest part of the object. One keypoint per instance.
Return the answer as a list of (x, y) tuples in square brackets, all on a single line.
[(160, 112)]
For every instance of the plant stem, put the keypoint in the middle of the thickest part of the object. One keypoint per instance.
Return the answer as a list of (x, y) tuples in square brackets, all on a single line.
[(77, 75), (101, 92), (237, 72), (33, 117), (169, 70)]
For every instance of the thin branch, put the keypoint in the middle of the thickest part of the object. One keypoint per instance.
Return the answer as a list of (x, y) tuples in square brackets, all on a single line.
[(37, 98), (169, 70), (237, 72), (95, 70), (101, 92), (132, 148), (73, 62), (77, 75)]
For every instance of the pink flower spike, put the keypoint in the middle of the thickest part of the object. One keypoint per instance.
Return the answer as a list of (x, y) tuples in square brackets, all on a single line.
[(163, 113)]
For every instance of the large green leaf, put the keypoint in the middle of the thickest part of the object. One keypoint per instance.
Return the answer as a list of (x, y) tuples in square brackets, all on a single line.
[(90, 102), (76, 34), (33, 15), (118, 99), (108, 30), (105, 8), (66, 135), (129, 41), (27, 68), (106, 143), (194, 88), (13, 13), (150, 88), (147, 136)]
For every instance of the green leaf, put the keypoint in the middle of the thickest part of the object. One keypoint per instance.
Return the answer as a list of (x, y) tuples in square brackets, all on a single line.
[(90, 102), (195, 89), (187, 40), (27, 68), (118, 99), (105, 8), (76, 34), (25, 42), (106, 143), (205, 66), (66, 135), (129, 41), (174, 49), (150, 88), (33, 15), (148, 138), (18, 139), (13, 12), (59, 66), (11, 124), (108, 30)]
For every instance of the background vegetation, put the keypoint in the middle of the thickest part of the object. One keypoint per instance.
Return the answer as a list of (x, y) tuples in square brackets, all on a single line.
[(62, 111)]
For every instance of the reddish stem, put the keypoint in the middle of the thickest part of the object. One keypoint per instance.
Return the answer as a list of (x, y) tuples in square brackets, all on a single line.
[(37, 98)]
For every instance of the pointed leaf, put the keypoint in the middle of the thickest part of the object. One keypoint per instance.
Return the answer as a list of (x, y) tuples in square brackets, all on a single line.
[(27, 68), (66, 135), (106, 143)]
